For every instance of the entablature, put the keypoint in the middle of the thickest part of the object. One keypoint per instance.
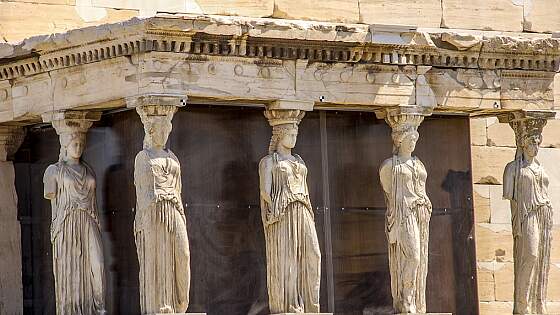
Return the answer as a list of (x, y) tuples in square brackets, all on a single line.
[(237, 60)]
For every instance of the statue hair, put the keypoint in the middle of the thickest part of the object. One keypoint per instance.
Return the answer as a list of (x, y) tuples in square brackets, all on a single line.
[(278, 132), (400, 134), (149, 123), (65, 139)]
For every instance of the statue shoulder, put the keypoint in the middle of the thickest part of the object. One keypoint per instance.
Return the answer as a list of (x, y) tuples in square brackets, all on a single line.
[(266, 162), (417, 160), (510, 168), (141, 156), (386, 165), (172, 155), (299, 158), (51, 170)]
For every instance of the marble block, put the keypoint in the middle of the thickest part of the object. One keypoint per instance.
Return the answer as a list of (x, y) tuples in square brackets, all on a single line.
[(177, 314), (302, 314), (424, 314)]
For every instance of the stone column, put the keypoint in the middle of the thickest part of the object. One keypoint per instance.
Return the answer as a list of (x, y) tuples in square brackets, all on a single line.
[(160, 228), (526, 187), (403, 179), (11, 288), (75, 234), (288, 218)]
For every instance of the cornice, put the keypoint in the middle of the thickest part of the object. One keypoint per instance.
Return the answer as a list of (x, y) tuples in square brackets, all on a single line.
[(197, 36)]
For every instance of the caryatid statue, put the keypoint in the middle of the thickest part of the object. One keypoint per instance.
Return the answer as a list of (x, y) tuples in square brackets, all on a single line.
[(293, 255), (160, 226), (526, 187), (78, 270), (407, 221)]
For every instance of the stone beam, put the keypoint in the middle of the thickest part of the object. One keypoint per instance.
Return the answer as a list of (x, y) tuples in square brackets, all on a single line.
[(232, 80), (523, 115), (11, 290), (177, 100), (393, 113), (285, 104)]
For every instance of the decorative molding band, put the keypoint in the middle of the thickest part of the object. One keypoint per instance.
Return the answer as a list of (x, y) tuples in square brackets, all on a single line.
[(247, 38), (156, 100)]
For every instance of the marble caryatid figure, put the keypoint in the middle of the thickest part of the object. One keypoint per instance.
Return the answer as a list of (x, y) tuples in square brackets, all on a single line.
[(526, 186), (407, 222), (75, 231), (292, 249), (160, 226)]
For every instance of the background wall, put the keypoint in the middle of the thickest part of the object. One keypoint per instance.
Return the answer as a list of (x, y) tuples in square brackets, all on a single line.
[(493, 146), (23, 18)]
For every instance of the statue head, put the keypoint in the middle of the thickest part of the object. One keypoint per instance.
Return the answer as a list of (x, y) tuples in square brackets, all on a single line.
[(157, 124), (528, 136), (72, 135), (404, 139), (72, 145), (530, 145), (283, 135), (284, 124)]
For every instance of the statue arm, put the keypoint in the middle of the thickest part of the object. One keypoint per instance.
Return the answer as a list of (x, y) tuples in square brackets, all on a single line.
[(49, 181), (179, 185), (265, 178), (386, 176), (509, 179), (143, 181)]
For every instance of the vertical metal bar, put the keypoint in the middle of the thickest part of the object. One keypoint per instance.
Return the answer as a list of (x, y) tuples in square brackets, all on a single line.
[(327, 211)]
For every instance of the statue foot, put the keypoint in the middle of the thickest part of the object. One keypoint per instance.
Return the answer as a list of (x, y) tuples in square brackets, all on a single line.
[(166, 309)]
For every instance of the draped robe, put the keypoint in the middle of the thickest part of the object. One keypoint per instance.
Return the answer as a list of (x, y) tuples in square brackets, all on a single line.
[(407, 227), (526, 187), (76, 240), (161, 235), (292, 248)]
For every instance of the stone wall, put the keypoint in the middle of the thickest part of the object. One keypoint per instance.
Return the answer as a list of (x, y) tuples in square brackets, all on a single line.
[(23, 18), (493, 146), (11, 289)]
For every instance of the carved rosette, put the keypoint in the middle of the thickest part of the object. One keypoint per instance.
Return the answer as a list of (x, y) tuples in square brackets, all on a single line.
[(11, 138)]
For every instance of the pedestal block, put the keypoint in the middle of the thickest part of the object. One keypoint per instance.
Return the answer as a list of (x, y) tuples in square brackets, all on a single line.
[(424, 314), (302, 314), (177, 314)]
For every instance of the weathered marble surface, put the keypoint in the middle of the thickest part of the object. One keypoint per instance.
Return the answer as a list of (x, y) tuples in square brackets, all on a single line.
[(98, 67), (69, 184), (293, 255), (407, 224), (526, 186), (11, 291), (49, 16), (160, 227)]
